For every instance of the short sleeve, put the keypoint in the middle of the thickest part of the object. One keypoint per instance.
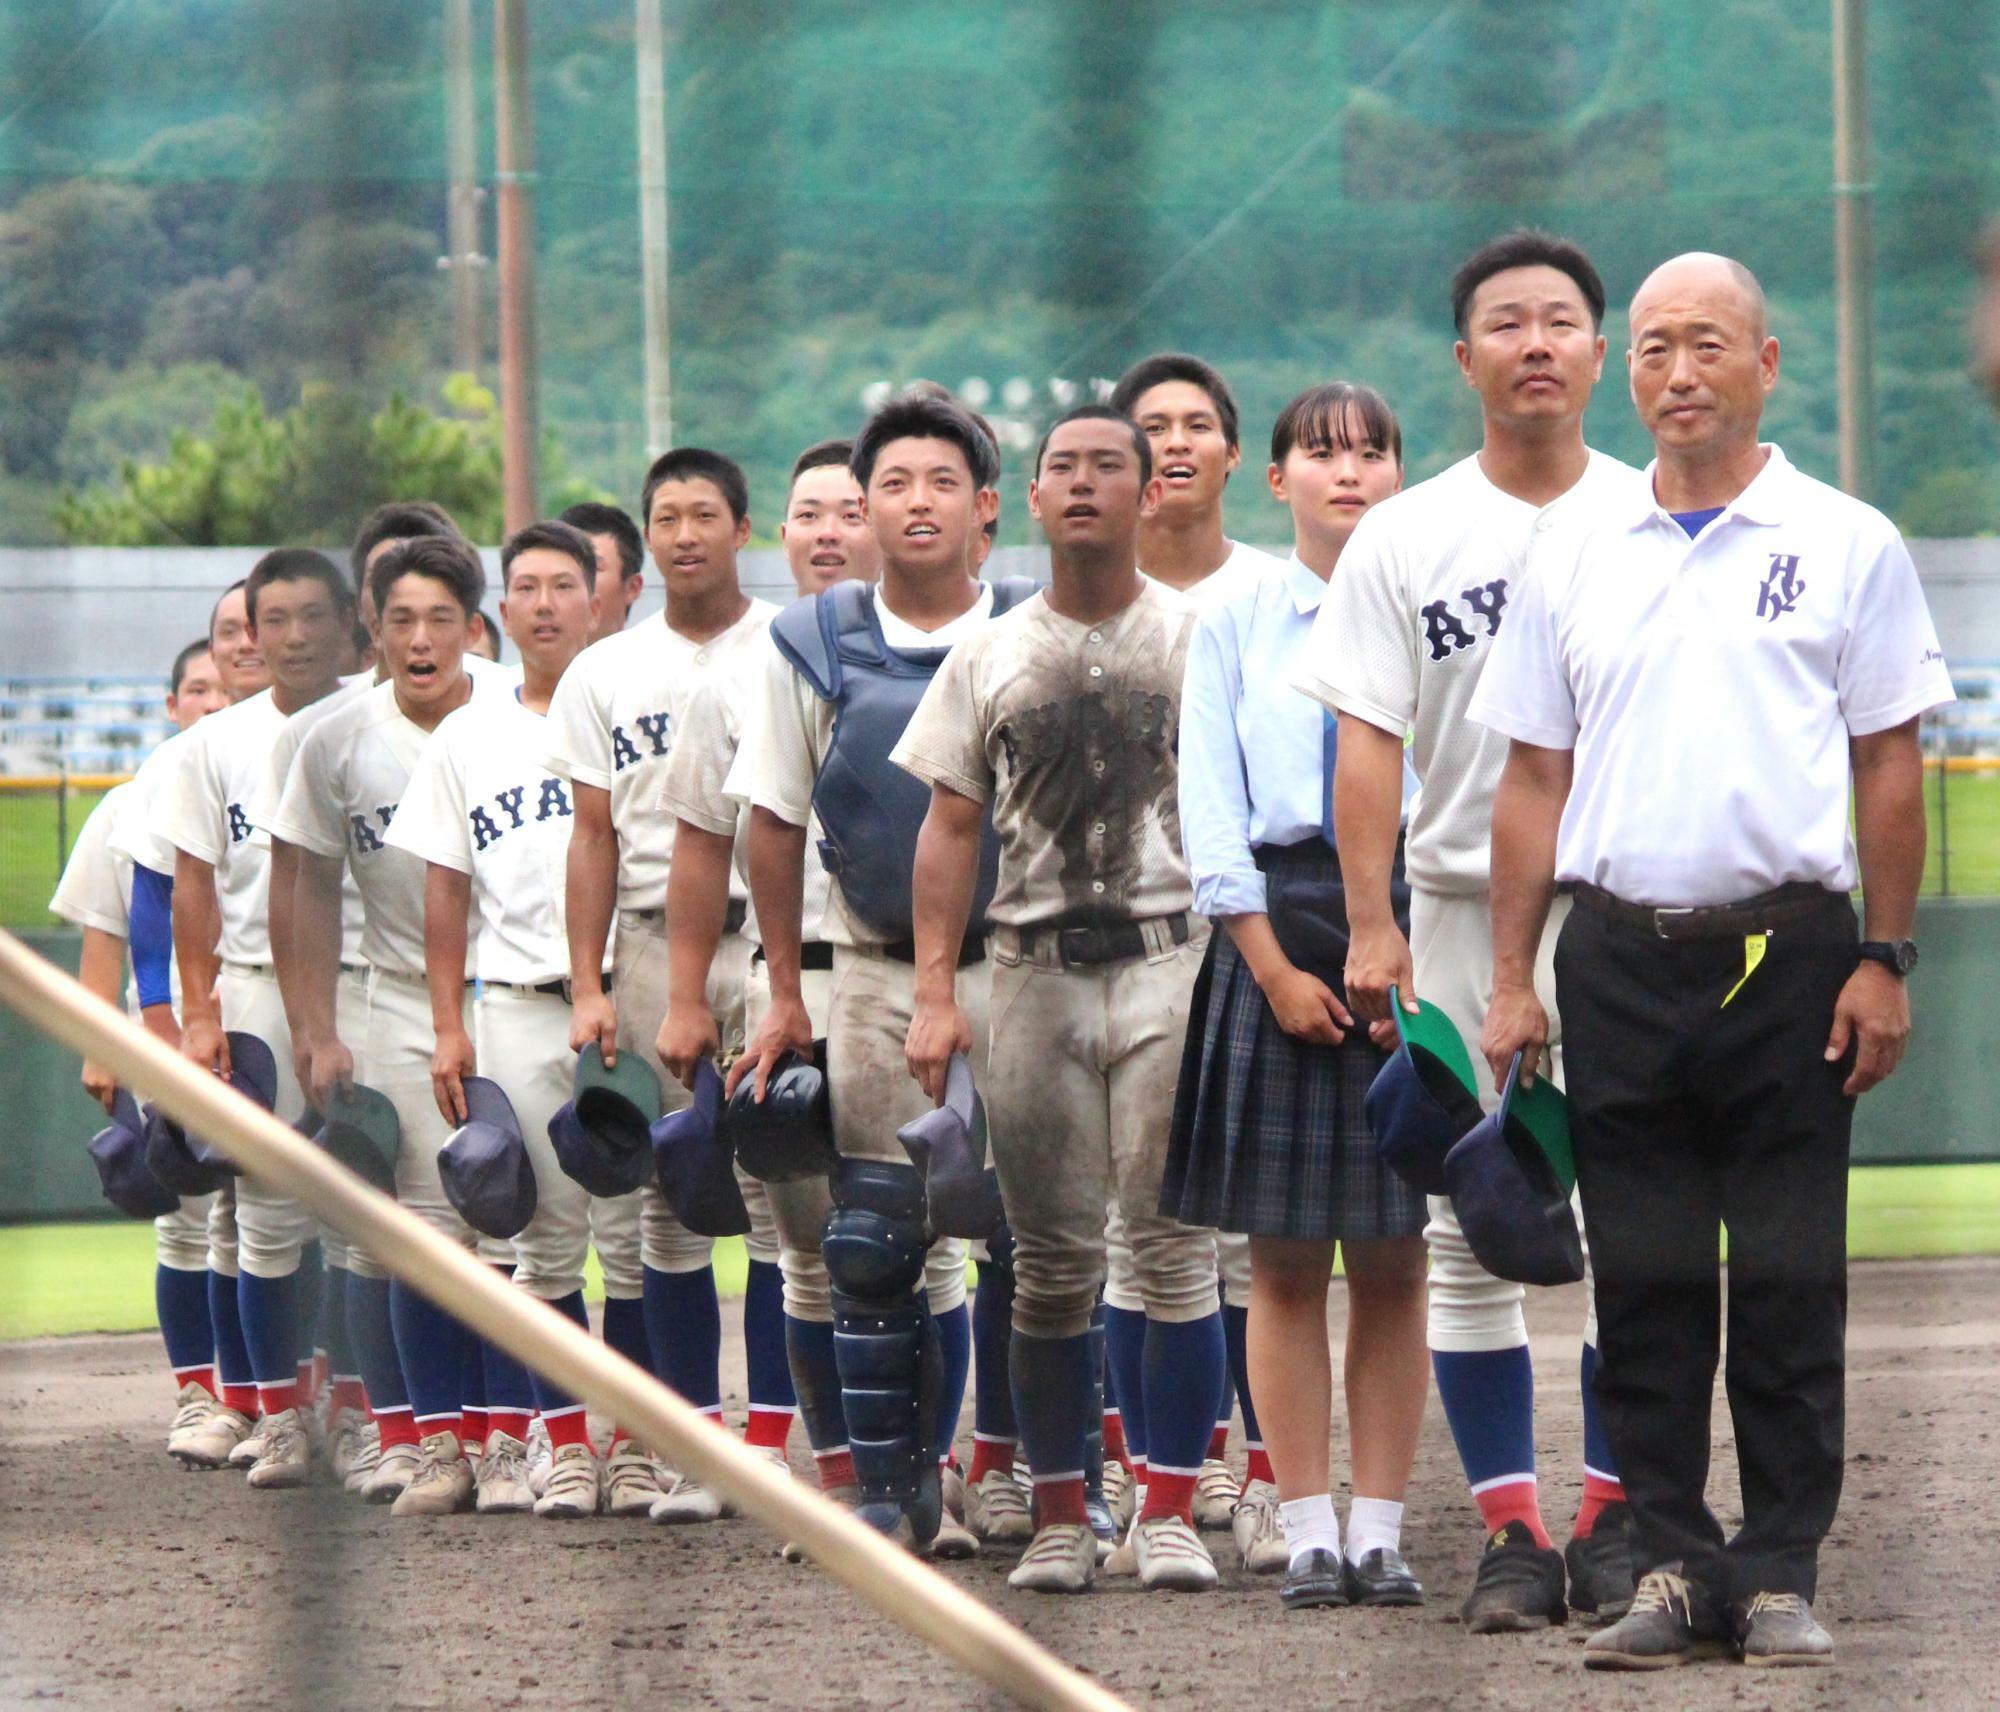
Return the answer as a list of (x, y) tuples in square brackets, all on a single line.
[(430, 820), (1524, 692), (1362, 656), (308, 813), (1891, 668), (193, 808), (89, 893), (580, 728), (691, 788), (139, 831), (778, 759), (945, 741)]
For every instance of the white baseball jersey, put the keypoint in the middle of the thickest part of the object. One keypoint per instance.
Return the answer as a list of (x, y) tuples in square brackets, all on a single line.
[(208, 816), (1404, 633), (1244, 566), (481, 801), (612, 724), (139, 834), (96, 885)]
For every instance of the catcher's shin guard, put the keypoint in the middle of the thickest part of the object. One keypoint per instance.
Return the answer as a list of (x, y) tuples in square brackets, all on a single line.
[(884, 1342)]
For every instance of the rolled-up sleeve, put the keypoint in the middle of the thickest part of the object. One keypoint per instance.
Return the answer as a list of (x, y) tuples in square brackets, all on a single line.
[(1214, 791)]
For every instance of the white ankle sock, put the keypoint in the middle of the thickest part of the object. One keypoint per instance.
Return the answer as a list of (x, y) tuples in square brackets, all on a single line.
[(1310, 1523), (1373, 1524)]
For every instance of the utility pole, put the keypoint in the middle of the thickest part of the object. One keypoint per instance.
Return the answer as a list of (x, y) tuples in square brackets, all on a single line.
[(515, 174), (653, 244), (1853, 249), (461, 119)]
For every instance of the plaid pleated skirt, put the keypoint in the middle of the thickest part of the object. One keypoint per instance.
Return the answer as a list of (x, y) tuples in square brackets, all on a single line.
[(1269, 1137)]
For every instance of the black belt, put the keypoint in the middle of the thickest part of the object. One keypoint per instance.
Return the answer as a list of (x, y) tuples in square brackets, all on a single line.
[(1112, 942), (546, 989), (971, 950), (813, 954), (1782, 906)]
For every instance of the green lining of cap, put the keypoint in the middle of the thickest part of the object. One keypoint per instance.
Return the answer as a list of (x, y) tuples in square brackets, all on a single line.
[(1432, 1036), (1541, 1113), (631, 1078)]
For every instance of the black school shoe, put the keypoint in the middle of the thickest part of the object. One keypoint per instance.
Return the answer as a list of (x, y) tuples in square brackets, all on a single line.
[(1672, 1621), (1780, 1629), (1518, 1587), (1383, 1578), (1601, 1580), (1318, 1579)]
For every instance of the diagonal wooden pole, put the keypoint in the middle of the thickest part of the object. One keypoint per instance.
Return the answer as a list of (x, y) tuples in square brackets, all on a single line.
[(884, 1575)]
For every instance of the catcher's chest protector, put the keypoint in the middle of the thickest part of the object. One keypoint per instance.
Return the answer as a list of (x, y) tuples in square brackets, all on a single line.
[(870, 810)]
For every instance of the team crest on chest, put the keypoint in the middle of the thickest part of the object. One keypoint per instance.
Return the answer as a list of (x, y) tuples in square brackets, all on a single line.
[(1782, 587), (512, 809)]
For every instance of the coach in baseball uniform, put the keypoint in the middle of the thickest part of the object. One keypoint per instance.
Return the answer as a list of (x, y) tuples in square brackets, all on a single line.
[(1693, 684)]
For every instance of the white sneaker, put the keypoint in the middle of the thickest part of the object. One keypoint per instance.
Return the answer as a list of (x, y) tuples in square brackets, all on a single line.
[(996, 1509), (192, 1409), (501, 1479), (1216, 1496), (847, 1497), (443, 1484), (394, 1470), (1260, 1538), (687, 1501), (1062, 1559), (1171, 1556), (208, 1445), (346, 1433), (1121, 1491), (631, 1481), (250, 1447), (575, 1488), (364, 1458), (541, 1456), (286, 1461)]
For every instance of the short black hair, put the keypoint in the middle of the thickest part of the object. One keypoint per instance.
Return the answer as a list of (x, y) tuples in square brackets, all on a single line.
[(215, 611), (937, 389), (1163, 366), (1526, 246), (594, 518), (696, 463), (447, 559), (298, 565), (913, 417), (555, 536), (1319, 416), (399, 520), (819, 456), (185, 658), (1101, 413)]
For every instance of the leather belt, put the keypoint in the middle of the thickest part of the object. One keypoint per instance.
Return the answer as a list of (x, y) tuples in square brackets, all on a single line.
[(1782, 906), (813, 954), (545, 989), (971, 950), (1112, 942), (733, 917)]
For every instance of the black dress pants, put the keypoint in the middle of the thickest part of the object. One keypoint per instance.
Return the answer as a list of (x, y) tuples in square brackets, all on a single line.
[(1689, 1114)]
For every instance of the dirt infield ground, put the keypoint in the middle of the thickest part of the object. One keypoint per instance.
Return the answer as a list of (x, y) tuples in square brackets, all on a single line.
[(127, 1585)]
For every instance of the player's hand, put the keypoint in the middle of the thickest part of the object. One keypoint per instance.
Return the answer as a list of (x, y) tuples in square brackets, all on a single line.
[(1515, 1022), (1306, 1007), (786, 1028), (203, 1042), (1376, 961), (99, 1084), (451, 1063), (329, 1065), (937, 1029), (1873, 1014), (687, 1036), (594, 1017)]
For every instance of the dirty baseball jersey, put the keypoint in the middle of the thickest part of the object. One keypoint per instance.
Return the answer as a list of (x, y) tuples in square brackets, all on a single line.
[(1069, 730)]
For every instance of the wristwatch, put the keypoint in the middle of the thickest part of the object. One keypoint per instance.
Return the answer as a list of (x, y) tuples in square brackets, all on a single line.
[(1898, 956)]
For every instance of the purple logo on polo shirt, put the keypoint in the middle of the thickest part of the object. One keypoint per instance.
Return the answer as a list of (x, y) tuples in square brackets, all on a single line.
[(1782, 588)]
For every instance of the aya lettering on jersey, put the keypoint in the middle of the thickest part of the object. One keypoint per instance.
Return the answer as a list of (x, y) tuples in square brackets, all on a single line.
[(652, 728), (365, 838), (511, 810), (1450, 627)]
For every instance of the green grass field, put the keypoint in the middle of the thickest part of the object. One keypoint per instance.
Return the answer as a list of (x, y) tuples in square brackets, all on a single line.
[(29, 860), (59, 1279)]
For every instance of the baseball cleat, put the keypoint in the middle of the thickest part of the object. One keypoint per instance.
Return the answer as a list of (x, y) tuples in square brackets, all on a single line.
[(954, 1542), (394, 1470), (847, 1497), (250, 1447), (1260, 1541), (1601, 1580), (1780, 1629), (1672, 1622), (687, 1502), (1170, 1556), (346, 1433), (631, 1481), (1123, 1558), (287, 1456), (541, 1456), (1121, 1491), (500, 1482), (366, 1457), (996, 1509), (1216, 1496), (1381, 1577), (1062, 1559), (192, 1408), (207, 1444), (575, 1489), (1518, 1586), (1317, 1582), (443, 1483)]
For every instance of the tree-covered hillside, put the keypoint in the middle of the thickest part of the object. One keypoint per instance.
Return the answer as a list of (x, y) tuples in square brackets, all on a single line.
[(200, 194)]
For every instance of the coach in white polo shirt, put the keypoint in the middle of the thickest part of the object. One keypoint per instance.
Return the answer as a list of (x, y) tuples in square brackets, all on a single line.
[(1692, 685)]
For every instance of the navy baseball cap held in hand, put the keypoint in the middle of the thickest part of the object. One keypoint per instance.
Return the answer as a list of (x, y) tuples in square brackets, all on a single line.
[(361, 1130), (948, 1146), (119, 1152), (601, 1133), (692, 1162), (1424, 1097), (186, 1163), (1510, 1179), (484, 1164), (787, 1136)]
